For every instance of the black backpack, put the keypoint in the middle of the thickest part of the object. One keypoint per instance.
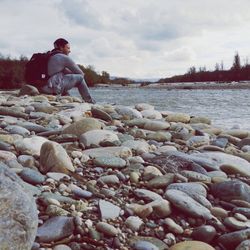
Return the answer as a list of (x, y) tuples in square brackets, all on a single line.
[(36, 70)]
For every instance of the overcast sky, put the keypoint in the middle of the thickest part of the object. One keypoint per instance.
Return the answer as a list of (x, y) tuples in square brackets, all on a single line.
[(131, 38)]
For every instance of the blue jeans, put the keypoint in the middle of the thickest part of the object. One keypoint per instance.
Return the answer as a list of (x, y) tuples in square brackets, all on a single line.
[(68, 82)]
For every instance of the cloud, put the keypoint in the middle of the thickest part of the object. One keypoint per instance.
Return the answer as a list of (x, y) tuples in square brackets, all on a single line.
[(130, 37)]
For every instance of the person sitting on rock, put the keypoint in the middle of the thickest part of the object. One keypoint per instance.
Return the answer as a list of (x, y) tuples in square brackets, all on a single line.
[(64, 73)]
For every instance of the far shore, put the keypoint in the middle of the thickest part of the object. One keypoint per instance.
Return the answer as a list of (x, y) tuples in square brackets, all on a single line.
[(185, 85)]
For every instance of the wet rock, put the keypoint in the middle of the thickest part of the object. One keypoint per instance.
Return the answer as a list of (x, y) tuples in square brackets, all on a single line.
[(172, 226), (18, 212), (54, 158), (55, 228)]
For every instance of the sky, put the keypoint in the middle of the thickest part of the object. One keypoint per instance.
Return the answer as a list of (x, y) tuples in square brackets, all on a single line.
[(130, 38)]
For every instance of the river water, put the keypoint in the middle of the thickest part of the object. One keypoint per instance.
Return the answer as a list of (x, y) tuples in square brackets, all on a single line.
[(226, 108)]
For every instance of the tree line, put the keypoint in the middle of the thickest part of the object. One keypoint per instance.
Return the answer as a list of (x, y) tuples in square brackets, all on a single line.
[(12, 74), (236, 73)]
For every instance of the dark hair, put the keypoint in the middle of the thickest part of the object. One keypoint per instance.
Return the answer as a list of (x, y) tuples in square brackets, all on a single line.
[(60, 42)]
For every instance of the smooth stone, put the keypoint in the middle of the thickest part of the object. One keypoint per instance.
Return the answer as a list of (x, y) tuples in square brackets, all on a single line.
[(128, 112), (18, 212), (109, 179), (57, 176), (82, 126), (230, 190), (200, 119), (137, 122), (54, 158), (46, 196), (101, 114), (166, 148), (244, 142), (120, 151), (195, 177), (161, 208), (107, 229), (151, 114), (79, 192), (159, 136), (150, 172), (32, 176), (15, 129), (147, 194), (156, 125), (44, 107), (243, 210), (205, 233), (54, 210), (161, 181), (144, 106), (219, 212), (30, 146), (237, 133), (233, 239), (96, 136), (7, 138), (109, 162), (173, 226), (213, 174), (134, 223), (156, 242), (108, 210), (220, 142), (134, 177), (6, 146), (32, 126), (235, 224), (55, 228), (144, 245), (28, 90), (237, 164), (187, 204), (6, 156), (244, 245), (62, 247), (178, 117), (12, 111), (139, 146), (26, 160), (246, 148), (192, 188), (197, 141), (194, 245)]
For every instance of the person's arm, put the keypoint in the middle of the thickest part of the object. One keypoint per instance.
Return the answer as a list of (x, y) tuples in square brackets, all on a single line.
[(72, 68)]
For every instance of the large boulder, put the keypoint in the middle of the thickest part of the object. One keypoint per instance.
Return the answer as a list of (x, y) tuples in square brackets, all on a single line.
[(54, 158), (18, 212)]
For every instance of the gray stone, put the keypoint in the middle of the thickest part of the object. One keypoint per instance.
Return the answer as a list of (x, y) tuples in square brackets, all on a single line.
[(204, 233), (134, 223), (242, 210), (144, 245), (231, 190), (232, 240), (109, 179), (107, 229), (32, 176), (32, 126), (54, 158), (18, 212), (244, 245), (146, 194), (80, 193), (128, 112), (15, 129), (187, 204), (108, 210), (109, 162), (55, 228), (156, 242), (98, 113)]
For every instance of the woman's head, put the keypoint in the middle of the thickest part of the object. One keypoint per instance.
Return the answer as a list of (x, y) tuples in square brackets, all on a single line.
[(62, 45)]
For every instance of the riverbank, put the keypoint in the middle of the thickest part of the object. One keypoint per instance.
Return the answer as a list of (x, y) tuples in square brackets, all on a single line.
[(107, 176), (186, 85)]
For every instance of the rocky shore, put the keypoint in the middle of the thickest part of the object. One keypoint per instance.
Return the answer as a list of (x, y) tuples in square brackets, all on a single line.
[(77, 176)]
